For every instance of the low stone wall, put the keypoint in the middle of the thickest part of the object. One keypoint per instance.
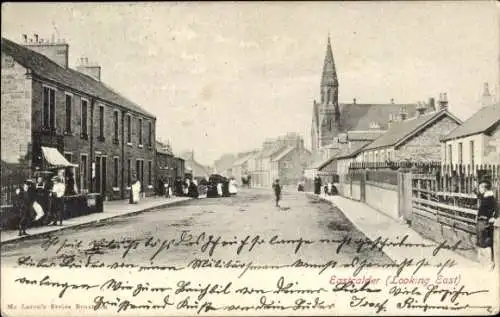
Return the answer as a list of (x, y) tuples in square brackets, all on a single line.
[(356, 191), (433, 230), (384, 198)]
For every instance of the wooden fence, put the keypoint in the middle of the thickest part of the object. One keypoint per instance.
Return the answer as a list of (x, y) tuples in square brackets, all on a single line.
[(444, 203)]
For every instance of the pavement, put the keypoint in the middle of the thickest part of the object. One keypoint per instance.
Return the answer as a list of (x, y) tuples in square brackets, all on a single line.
[(112, 209), (375, 224)]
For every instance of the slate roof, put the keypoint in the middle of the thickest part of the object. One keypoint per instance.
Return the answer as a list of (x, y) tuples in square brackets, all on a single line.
[(400, 130), (355, 116), (353, 151), (364, 135), (43, 67), (163, 148), (272, 150), (480, 122), (244, 158), (283, 153)]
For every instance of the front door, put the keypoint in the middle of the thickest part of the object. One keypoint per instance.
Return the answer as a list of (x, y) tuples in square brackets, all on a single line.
[(100, 174)]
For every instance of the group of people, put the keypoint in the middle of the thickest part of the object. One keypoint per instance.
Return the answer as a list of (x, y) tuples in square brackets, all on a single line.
[(41, 201), (196, 189), (328, 189)]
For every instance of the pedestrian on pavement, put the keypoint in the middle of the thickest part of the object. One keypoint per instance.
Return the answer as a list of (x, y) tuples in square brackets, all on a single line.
[(317, 185), (486, 216), (219, 189), (329, 188), (57, 202), (277, 191), (23, 204), (167, 189), (136, 190)]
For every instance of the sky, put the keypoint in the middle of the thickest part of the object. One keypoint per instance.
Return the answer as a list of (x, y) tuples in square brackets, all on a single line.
[(223, 77)]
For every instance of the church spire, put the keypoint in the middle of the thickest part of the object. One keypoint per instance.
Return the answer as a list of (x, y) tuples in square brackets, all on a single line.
[(329, 77)]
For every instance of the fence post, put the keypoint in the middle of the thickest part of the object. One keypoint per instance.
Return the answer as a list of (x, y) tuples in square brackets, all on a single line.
[(496, 243)]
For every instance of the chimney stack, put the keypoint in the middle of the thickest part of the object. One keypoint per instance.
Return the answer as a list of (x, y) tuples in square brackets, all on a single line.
[(392, 100), (443, 101), (432, 104), (91, 70), (57, 52), (353, 101), (487, 98), (402, 114), (420, 108)]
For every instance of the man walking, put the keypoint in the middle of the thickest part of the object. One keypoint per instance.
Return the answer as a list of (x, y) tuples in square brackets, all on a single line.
[(486, 216), (277, 191)]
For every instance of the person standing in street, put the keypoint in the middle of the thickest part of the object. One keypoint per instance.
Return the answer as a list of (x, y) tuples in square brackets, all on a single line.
[(23, 204), (317, 185), (277, 191), (329, 188), (486, 216), (58, 204)]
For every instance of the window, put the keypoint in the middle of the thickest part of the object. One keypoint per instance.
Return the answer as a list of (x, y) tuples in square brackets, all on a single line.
[(115, 127), (150, 173), (49, 108), (150, 134), (84, 118), (129, 129), (460, 153), (139, 128), (69, 103), (471, 145), (101, 122), (115, 169), (83, 171), (129, 172), (450, 149)]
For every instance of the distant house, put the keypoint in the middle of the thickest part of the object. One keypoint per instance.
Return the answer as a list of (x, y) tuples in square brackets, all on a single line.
[(192, 167), (241, 166), (224, 165), (284, 158), (476, 141), (415, 139)]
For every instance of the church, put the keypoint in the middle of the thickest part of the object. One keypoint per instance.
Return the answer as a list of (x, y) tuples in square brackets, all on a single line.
[(337, 126)]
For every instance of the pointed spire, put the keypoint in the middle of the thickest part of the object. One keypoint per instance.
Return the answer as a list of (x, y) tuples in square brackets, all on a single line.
[(329, 77)]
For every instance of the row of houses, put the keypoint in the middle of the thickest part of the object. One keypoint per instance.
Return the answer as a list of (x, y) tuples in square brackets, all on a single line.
[(53, 114), (437, 136), (283, 158)]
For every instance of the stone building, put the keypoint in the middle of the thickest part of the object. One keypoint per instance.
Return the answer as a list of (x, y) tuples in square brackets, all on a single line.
[(476, 141), (168, 166), (284, 158), (413, 139), (47, 104)]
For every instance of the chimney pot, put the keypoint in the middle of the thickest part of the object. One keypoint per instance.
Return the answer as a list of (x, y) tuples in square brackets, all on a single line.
[(36, 37), (25, 38), (392, 100), (354, 100)]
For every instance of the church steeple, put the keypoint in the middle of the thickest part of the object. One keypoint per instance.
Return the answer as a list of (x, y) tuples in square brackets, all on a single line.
[(329, 77)]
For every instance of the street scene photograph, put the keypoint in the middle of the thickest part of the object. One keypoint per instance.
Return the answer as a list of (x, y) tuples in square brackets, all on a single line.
[(250, 158)]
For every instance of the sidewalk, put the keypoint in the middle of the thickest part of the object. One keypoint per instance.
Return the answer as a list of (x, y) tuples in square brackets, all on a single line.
[(112, 209), (374, 224)]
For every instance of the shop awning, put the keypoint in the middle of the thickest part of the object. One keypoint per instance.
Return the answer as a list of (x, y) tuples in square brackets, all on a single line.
[(55, 158)]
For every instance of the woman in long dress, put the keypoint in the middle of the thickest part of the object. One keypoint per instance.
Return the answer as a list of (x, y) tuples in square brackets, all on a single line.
[(219, 189), (232, 187), (136, 189)]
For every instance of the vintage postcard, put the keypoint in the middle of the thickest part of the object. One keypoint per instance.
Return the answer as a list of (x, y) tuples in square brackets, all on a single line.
[(250, 158)]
